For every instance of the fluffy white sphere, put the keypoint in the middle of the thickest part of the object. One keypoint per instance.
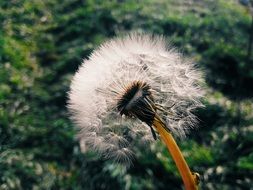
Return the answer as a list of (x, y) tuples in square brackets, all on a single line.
[(102, 79)]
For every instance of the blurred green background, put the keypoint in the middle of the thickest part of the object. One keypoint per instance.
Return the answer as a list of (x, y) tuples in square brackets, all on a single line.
[(42, 43)]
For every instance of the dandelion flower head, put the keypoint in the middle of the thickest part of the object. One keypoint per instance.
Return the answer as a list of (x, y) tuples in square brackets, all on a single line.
[(111, 89)]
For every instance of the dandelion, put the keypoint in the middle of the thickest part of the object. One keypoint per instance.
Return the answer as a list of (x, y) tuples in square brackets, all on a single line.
[(128, 89)]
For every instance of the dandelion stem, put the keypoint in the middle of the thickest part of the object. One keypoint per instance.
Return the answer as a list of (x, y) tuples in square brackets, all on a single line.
[(190, 180)]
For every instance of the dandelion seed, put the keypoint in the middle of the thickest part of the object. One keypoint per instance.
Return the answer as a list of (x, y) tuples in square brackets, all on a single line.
[(118, 93)]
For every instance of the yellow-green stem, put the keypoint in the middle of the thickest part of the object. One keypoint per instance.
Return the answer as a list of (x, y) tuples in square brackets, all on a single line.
[(188, 178)]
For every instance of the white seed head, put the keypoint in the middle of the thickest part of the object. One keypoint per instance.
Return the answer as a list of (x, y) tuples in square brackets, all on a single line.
[(119, 78)]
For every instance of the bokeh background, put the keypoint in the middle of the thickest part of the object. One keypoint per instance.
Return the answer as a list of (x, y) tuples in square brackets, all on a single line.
[(42, 43)]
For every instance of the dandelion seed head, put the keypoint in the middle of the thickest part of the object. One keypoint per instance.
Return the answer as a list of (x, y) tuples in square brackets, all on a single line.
[(123, 77)]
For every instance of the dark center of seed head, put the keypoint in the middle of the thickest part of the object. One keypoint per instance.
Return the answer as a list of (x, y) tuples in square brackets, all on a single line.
[(137, 101)]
